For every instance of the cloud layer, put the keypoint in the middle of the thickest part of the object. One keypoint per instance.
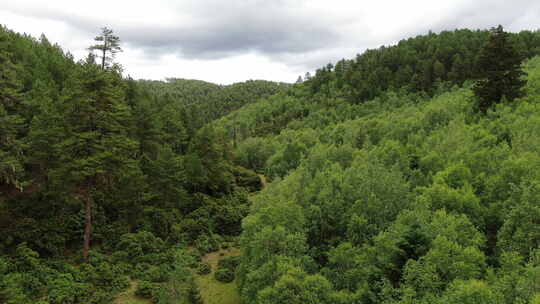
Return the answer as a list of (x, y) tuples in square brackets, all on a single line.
[(296, 35)]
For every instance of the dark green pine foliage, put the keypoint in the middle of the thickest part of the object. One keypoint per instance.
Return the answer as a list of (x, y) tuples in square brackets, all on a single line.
[(89, 160), (209, 163), (500, 66), (420, 64), (11, 123), (377, 194), (82, 139), (108, 46), (196, 103)]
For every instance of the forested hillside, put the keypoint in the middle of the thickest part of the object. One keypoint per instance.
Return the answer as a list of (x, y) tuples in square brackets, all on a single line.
[(103, 181), (391, 178), (203, 102), (418, 64), (407, 193)]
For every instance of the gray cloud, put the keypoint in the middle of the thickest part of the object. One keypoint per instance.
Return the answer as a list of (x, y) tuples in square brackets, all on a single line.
[(302, 34), (222, 28), (215, 40), (485, 14), (514, 15)]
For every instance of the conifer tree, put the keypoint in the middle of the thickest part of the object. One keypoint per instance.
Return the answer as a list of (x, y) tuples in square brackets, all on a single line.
[(83, 141), (108, 45), (500, 66)]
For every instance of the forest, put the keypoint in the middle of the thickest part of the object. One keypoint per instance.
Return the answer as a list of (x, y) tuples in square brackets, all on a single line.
[(409, 174)]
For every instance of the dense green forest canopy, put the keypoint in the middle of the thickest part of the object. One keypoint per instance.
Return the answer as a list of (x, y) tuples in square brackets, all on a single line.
[(85, 149), (202, 102), (387, 185), (389, 190)]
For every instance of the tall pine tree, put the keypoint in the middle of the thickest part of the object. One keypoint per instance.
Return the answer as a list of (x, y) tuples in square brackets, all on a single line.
[(500, 66), (108, 45), (83, 141)]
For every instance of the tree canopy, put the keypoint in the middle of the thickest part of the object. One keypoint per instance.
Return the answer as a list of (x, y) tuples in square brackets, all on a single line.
[(500, 69), (376, 180)]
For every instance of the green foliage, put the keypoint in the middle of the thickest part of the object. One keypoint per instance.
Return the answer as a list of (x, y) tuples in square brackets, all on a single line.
[(226, 269), (147, 290), (30, 279), (402, 199), (86, 154), (135, 247), (415, 64), (386, 185), (253, 152), (500, 64), (297, 287), (194, 296), (202, 102), (515, 279), (206, 244), (443, 263), (247, 178), (224, 275), (204, 268), (108, 45), (229, 263), (472, 292), (11, 121), (520, 231)]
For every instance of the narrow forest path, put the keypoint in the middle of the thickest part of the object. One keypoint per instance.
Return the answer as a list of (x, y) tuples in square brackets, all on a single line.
[(213, 291)]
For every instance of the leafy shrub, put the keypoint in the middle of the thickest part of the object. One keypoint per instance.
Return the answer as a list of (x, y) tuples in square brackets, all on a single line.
[(204, 268), (224, 275), (207, 244), (155, 274), (139, 270), (136, 247), (148, 290), (195, 256), (227, 213), (99, 297), (109, 277), (230, 263), (63, 289)]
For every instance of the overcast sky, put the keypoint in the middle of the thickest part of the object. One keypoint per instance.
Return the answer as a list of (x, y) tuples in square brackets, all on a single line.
[(226, 41)]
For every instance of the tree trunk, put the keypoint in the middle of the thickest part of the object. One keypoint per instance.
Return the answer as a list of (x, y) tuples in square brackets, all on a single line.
[(87, 227), (103, 59), (234, 136)]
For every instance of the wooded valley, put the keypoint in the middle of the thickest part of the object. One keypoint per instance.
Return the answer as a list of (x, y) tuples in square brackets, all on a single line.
[(409, 174)]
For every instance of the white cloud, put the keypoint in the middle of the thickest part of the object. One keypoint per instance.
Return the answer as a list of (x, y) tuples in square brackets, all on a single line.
[(222, 71)]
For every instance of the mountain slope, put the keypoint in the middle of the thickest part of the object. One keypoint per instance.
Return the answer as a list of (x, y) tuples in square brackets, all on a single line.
[(103, 183), (203, 102), (384, 184), (407, 199)]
